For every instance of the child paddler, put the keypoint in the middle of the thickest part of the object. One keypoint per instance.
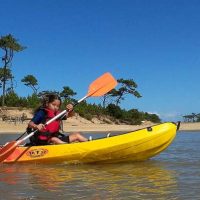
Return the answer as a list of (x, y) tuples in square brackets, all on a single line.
[(50, 134)]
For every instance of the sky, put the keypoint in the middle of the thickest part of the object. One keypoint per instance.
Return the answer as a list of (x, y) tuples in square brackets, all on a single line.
[(71, 43)]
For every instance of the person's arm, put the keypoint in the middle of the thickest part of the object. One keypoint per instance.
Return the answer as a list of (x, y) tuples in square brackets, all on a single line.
[(39, 127), (36, 121)]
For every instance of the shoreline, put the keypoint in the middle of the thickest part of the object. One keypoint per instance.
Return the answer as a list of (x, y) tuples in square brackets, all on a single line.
[(75, 123), (77, 126)]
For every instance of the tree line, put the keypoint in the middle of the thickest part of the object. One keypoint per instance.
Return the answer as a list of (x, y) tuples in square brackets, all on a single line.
[(109, 107), (193, 117)]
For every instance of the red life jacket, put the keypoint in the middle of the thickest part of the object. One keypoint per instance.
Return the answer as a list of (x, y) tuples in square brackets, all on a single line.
[(51, 128)]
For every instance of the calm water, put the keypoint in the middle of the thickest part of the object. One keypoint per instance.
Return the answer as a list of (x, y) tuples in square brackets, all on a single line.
[(174, 174)]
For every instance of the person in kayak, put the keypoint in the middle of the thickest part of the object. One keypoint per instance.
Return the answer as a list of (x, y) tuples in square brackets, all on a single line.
[(50, 134)]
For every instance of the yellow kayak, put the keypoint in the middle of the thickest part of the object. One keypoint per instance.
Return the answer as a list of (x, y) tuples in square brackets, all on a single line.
[(132, 146)]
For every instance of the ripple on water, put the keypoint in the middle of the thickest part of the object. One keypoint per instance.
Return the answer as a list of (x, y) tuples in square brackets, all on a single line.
[(174, 174)]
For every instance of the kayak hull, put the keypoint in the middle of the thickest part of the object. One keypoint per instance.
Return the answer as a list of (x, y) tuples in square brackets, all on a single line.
[(138, 145)]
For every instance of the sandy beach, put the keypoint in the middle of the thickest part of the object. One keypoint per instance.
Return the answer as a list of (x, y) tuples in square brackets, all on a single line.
[(82, 125), (73, 124)]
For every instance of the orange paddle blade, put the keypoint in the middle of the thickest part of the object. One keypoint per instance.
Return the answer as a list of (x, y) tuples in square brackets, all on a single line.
[(6, 150), (102, 85)]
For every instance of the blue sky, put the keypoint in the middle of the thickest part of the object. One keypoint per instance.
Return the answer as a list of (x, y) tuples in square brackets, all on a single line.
[(70, 43)]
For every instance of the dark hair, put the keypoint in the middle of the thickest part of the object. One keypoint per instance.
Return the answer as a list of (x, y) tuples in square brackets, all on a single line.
[(47, 98)]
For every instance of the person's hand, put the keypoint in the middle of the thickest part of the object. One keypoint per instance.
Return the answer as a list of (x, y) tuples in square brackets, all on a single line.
[(40, 127), (69, 108)]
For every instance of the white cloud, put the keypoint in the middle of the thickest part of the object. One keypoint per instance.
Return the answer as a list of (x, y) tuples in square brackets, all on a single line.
[(171, 116), (156, 113)]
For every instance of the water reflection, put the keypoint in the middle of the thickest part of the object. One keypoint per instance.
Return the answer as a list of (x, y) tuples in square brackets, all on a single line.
[(142, 180)]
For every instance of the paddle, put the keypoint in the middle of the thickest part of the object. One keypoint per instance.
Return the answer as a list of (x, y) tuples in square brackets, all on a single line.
[(99, 87)]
